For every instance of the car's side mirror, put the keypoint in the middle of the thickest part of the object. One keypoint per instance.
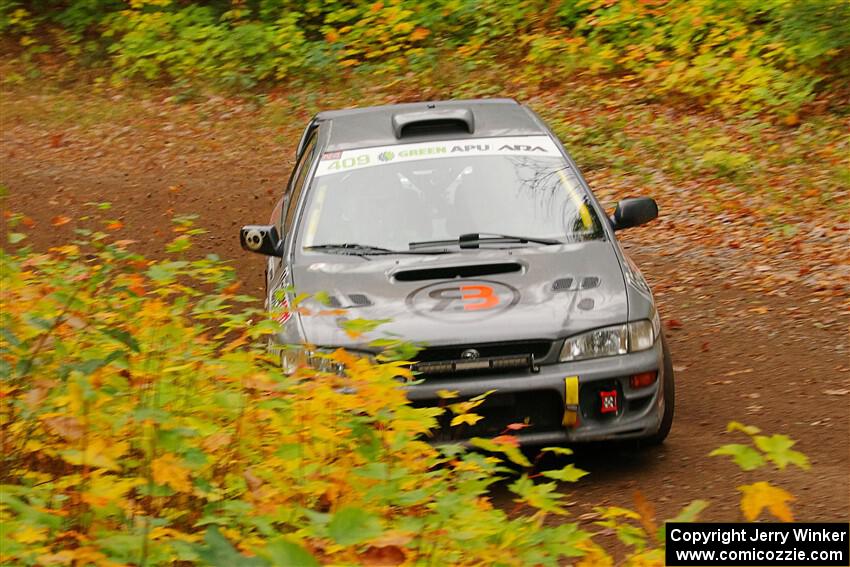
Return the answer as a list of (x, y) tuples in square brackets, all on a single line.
[(262, 239), (634, 211)]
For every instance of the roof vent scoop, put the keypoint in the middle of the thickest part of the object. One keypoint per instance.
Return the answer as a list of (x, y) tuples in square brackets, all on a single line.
[(429, 122)]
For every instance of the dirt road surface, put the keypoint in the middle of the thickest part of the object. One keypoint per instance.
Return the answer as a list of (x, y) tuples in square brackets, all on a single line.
[(758, 335)]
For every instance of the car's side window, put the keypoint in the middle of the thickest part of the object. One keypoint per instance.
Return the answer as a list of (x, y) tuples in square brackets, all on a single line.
[(302, 169)]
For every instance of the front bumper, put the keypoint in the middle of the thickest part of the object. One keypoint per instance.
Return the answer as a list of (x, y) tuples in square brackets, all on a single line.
[(640, 414)]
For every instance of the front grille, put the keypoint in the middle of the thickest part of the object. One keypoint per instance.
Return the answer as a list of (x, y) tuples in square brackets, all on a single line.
[(487, 350), (542, 410)]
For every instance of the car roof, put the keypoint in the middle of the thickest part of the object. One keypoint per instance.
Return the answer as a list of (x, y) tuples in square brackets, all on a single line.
[(381, 125)]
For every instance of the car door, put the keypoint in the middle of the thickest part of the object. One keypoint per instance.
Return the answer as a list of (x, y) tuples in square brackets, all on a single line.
[(285, 217)]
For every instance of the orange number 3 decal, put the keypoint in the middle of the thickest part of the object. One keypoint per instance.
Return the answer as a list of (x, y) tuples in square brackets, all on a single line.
[(480, 296)]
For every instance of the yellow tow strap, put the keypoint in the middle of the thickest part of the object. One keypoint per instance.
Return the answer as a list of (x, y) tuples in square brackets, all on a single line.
[(583, 211), (570, 401)]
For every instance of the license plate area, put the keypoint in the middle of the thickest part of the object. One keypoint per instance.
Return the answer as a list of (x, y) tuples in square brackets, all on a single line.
[(601, 400)]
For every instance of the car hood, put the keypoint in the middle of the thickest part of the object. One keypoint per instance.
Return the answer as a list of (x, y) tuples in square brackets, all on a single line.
[(484, 295)]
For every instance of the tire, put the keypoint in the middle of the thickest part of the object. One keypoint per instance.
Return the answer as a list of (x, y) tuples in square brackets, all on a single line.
[(669, 399)]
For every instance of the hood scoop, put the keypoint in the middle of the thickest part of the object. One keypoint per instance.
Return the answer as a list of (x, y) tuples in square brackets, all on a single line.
[(449, 272)]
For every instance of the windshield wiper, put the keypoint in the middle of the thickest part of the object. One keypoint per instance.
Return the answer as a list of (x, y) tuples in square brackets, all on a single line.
[(361, 249), (474, 239)]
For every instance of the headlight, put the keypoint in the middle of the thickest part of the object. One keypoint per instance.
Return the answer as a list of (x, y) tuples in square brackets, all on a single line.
[(610, 341), (292, 357)]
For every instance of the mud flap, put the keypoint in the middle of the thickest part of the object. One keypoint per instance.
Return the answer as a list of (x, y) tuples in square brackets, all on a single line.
[(571, 401)]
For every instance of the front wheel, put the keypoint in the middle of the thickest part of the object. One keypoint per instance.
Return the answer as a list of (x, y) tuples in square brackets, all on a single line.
[(669, 399)]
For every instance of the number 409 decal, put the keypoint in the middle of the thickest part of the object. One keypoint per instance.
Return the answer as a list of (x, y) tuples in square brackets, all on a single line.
[(348, 162)]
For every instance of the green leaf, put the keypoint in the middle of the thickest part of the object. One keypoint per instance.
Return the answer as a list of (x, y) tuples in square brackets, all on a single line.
[(631, 535), (558, 450), (360, 326), (543, 496), (219, 552), (351, 525), (778, 449), (567, 539), (179, 244), (744, 456), (510, 451), (15, 237), (323, 298), (284, 553), (567, 474), (738, 426), (688, 514), (123, 337), (160, 273), (481, 396)]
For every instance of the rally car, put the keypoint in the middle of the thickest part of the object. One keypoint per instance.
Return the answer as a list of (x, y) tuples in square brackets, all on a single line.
[(469, 227)]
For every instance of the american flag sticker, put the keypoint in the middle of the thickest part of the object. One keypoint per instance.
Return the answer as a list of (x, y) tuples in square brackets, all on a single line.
[(280, 301)]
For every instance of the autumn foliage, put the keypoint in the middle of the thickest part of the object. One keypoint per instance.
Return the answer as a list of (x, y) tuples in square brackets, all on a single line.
[(143, 422), (141, 427), (772, 55)]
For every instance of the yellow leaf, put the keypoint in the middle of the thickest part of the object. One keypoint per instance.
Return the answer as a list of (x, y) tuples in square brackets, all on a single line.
[(96, 455), (160, 532), (470, 418), (594, 556), (105, 489), (762, 495), (447, 394), (29, 534), (168, 470)]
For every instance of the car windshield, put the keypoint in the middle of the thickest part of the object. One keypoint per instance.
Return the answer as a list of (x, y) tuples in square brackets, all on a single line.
[(391, 197)]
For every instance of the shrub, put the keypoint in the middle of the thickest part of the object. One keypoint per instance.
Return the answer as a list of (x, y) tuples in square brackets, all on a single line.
[(141, 426), (751, 54)]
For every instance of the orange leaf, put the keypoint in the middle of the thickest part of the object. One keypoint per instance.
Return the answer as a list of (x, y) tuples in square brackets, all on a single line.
[(60, 220), (383, 556), (647, 513), (115, 225), (169, 471), (419, 34), (232, 288), (511, 440), (67, 427)]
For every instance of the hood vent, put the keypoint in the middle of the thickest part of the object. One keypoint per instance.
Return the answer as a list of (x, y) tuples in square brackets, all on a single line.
[(433, 121), (449, 272)]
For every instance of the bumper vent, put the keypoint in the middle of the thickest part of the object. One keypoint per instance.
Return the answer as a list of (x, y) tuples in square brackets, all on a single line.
[(542, 410)]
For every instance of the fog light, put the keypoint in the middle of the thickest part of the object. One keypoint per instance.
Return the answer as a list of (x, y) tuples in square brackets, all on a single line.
[(643, 379)]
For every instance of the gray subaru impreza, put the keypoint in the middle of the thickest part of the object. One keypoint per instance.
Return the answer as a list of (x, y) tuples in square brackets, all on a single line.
[(469, 228)]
